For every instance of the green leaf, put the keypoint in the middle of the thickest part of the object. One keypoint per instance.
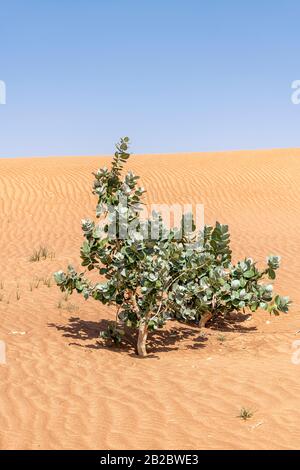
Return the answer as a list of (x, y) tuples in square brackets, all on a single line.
[(271, 274), (248, 274)]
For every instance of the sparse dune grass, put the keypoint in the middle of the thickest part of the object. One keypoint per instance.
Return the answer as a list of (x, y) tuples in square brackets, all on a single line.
[(245, 413), (41, 253)]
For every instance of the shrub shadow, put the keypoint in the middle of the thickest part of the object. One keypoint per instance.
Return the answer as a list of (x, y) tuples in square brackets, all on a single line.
[(82, 331), (158, 341), (232, 323)]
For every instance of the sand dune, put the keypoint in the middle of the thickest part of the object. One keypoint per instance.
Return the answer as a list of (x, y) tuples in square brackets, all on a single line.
[(60, 389)]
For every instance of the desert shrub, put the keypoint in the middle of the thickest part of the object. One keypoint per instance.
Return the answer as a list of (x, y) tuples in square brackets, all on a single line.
[(178, 274)]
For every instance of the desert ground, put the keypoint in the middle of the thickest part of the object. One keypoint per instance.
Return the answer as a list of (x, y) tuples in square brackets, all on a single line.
[(62, 389)]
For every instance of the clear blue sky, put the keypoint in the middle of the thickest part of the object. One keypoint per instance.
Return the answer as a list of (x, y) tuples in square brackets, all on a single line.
[(185, 75)]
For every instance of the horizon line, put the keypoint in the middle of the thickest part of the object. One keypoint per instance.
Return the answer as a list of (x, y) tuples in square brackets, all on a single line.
[(200, 152)]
